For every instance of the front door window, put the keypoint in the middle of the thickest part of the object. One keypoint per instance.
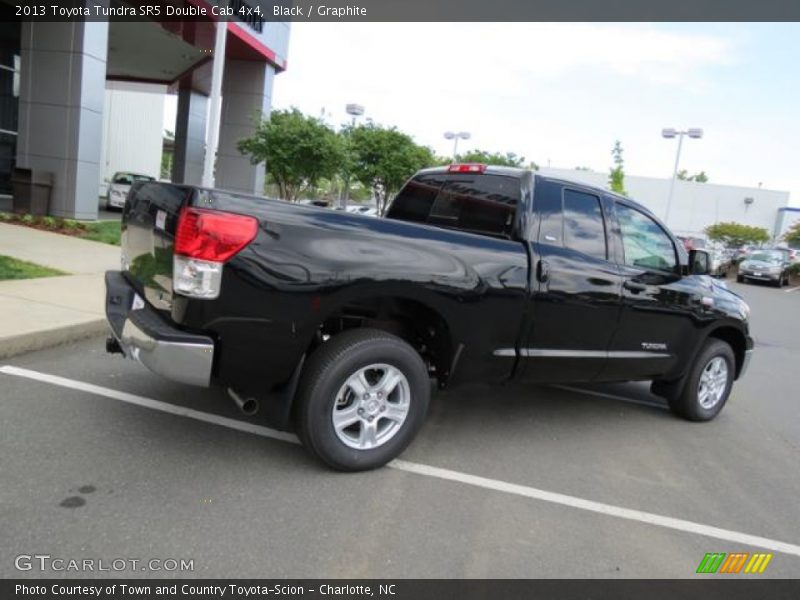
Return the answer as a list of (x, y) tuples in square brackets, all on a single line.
[(645, 244)]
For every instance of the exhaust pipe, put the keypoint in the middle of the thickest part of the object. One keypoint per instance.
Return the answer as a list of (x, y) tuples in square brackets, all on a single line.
[(248, 406)]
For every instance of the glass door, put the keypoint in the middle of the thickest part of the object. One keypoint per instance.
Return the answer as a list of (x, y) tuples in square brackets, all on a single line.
[(9, 100)]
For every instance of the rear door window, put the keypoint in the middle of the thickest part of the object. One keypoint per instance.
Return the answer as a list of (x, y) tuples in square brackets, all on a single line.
[(584, 229), (482, 204), (571, 219)]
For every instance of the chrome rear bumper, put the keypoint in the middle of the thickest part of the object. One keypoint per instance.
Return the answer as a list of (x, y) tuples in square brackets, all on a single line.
[(146, 337)]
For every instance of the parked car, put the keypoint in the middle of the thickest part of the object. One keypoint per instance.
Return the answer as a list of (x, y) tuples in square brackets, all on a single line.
[(692, 243), (361, 209), (336, 324), (120, 186), (745, 251), (790, 254), (320, 202), (721, 261), (771, 265)]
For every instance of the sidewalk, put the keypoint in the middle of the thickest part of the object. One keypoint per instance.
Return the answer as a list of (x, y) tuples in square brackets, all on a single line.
[(62, 252), (37, 313)]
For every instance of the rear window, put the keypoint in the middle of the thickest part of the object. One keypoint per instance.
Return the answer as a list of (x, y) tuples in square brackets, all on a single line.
[(483, 204)]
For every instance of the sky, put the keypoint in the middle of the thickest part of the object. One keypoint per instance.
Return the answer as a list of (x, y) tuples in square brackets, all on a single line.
[(562, 93)]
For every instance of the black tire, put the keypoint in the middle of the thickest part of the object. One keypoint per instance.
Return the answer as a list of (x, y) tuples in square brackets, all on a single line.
[(740, 278), (685, 402), (325, 374)]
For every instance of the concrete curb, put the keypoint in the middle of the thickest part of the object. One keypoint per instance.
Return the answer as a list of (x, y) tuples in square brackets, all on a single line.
[(57, 336)]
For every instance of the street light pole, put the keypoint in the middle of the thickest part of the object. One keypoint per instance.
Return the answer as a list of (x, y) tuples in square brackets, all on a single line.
[(463, 135), (670, 133), (212, 130), (355, 111), (674, 177)]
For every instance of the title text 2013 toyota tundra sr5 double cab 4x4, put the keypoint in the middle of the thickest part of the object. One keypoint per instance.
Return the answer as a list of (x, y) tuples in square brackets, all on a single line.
[(336, 322)]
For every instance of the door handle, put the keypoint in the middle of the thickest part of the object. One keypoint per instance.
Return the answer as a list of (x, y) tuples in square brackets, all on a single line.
[(542, 271), (634, 286)]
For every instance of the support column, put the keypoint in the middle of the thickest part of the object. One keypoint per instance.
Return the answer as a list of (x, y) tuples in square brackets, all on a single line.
[(246, 97), (190, 137), (62, 91)]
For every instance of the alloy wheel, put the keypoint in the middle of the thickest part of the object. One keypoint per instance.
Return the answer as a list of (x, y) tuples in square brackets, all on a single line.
[(371, 406), (713, 382)]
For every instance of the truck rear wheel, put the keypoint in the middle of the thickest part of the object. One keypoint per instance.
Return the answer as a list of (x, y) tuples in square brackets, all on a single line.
[(708, 385), (362, 399)]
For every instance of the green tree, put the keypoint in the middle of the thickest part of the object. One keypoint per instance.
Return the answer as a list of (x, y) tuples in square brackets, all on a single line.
[(508, 159), (344, 175), (700, 177), (734, 235), (616, 177), (299, 151), (167, 154), (792, 235), (441, 161), (384, 158)]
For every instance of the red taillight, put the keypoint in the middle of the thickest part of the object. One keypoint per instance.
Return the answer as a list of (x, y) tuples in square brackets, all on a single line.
[(213, 235), (467, 168)]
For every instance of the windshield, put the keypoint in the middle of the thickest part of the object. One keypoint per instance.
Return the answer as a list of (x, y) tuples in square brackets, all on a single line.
[(770, 257), (129, 178)]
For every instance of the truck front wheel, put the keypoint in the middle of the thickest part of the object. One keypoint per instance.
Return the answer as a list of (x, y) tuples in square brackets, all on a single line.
[(362, 399), (708, 384)]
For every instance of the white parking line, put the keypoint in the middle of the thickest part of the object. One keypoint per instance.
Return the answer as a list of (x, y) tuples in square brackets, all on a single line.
[(427, 470), (794, 289), (149, 403)]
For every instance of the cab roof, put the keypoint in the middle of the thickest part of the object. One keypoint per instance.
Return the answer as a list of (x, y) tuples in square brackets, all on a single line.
[(520, 172)]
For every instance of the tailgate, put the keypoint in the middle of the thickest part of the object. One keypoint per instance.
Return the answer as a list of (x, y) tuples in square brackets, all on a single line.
[(149, 222)]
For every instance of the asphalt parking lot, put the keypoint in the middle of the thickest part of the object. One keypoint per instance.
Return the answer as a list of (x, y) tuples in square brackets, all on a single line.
[(502, 482)]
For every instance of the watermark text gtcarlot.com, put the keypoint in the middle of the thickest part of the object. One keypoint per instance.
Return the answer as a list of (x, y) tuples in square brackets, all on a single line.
[(46, 562)]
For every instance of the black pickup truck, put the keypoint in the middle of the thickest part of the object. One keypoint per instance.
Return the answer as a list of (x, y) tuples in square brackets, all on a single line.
[(336, 323)]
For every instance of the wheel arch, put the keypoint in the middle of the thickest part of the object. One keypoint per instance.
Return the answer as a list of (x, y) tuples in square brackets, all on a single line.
[(417, 320), (736, 339)]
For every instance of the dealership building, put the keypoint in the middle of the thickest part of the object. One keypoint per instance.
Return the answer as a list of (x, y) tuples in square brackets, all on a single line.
[(56, 79), (80, 100)]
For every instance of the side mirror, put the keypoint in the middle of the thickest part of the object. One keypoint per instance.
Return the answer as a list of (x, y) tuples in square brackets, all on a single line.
[(699, 262)]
